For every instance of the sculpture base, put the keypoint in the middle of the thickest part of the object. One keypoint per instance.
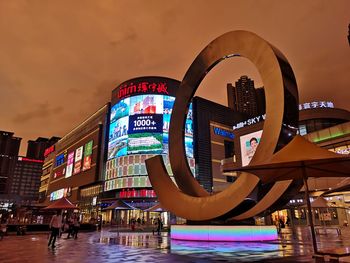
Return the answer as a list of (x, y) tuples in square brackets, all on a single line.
[(223, 233)]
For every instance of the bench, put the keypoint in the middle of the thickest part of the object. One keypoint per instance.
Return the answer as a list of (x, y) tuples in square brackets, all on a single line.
[(319, 229), (333, 253)]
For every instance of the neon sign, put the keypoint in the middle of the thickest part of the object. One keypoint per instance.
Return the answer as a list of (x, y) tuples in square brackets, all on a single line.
[(49, 150), (143, 87), (223, 133), (316, 104), (29, 160)]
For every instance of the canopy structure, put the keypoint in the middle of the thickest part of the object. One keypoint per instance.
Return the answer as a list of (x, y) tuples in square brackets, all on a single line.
[(62, 203), (300, 159), (120, 205), (156, 208), (344, 185)]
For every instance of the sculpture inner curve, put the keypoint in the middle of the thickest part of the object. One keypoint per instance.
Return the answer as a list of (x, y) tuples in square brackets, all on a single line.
[(276, 80)]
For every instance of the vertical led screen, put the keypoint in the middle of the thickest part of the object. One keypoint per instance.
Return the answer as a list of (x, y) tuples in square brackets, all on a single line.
[(87, 156), (139, 123), (70, 161), (78, 157), (249, 143), (139, 127)]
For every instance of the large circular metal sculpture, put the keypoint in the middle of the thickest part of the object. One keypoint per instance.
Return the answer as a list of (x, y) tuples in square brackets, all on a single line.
[(188, 199)]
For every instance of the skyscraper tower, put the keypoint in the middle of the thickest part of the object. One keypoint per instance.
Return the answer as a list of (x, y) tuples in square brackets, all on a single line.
[(9, 148), (37, 148), (244, 98)]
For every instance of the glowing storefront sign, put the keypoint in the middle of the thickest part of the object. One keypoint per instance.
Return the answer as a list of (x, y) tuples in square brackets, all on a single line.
[(223, 133), (316, 104), (70, 161), (49, 150), (249, 122), (78, 158), (249, 143), (87, 155), (304, 106), (58, 194), (154, 87)]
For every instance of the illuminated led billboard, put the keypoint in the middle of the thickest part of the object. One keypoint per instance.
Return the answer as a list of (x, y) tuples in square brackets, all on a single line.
[(139, 121), (139, 129), (249, 143)]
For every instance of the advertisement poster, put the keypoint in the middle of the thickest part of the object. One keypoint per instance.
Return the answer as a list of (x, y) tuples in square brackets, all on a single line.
[(249, 143), (146, 104), (87, 156), (140, 124), (120, 110), (87, 163), (78, 157), (70, 161), (145, 143), (119, 128), (168, 107), (145, 123), (117, 148)]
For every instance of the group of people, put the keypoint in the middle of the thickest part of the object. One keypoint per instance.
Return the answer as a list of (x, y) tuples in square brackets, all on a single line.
[(57, 226)]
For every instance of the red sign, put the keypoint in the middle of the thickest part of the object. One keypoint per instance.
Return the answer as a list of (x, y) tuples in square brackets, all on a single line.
[(29, 160), (142, 87), (131, 193), (49, 150)]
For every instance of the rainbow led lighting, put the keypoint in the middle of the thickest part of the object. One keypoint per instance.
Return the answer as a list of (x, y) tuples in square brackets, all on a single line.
[(223, 233)]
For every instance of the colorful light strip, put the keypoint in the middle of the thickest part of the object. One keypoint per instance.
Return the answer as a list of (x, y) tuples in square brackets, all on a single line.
[(223, 233)]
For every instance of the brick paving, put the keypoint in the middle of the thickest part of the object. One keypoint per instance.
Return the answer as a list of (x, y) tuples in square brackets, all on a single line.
[(123, 246)]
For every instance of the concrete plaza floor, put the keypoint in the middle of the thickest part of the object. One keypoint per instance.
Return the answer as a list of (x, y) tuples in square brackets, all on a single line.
[(110, 245)]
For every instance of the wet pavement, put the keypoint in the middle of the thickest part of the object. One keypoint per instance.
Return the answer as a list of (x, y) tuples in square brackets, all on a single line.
[(111, 245)]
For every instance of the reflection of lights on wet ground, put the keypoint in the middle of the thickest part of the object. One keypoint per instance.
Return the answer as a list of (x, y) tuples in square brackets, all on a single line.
[(221, 247), (137, 240), (226, 251)]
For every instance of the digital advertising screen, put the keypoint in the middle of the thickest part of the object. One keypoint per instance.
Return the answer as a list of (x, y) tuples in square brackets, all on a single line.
[(140, 125), (139, 129), (249, 143)]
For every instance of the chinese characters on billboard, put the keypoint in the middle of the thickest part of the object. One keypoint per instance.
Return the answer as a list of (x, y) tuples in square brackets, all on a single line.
[(145, 129), (70, 161), (87, 155), (249, 143), (78, 157), (139, 128)]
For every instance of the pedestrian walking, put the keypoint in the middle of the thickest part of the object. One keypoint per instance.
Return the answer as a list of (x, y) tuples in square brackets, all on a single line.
[(159, 225), (3, 229), (55, 226), (70, 223), (76, 226)]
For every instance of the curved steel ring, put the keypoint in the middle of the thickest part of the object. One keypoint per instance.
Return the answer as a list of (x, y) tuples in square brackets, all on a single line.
[(189, 200)]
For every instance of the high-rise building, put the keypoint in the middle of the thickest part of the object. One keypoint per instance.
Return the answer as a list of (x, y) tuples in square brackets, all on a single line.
[(244, 98), (19, 175), (9, 148), (25, 180), (36, 149)]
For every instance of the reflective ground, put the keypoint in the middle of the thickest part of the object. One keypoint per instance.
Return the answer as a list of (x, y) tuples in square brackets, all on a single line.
[(112, 246)]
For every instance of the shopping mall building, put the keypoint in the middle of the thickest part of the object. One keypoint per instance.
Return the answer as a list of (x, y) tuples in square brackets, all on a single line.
[(102, 160)]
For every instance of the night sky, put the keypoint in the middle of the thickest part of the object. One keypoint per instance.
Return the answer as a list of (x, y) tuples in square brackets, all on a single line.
[(60, 60)]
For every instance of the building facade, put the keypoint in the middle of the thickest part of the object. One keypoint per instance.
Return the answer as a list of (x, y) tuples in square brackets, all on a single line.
[(9, 149), (244, 98), (139, 125), (74, 166)]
